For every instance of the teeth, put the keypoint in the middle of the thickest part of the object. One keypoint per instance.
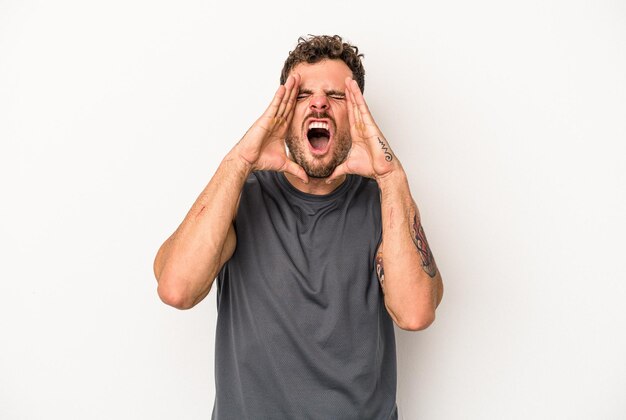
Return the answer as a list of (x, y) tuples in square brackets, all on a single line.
[(318, 124)]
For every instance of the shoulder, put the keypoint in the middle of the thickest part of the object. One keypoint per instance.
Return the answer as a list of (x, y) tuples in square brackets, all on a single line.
[(261, 179), (366, 185), (259, 188), (366, 190), (256, 182), (365, 182)]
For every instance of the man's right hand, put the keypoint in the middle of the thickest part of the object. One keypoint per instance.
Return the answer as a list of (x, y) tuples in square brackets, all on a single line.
[(189, 260), (263, 145)]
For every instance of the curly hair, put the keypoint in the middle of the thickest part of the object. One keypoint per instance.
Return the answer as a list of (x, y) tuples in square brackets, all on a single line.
[(316, 48)]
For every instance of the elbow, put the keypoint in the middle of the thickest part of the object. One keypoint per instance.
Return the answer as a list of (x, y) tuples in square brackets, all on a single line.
[(418, 322), (414, 318), (173, 298), (174, 295), (424, 318)]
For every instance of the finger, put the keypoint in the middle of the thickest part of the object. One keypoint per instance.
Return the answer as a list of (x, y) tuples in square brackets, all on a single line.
[(285, 99), (358, 120), (291, 103), (339, 171), (354, 110), (364, 111), (272, 109), (293, 95), (294, 169), (349, 103)]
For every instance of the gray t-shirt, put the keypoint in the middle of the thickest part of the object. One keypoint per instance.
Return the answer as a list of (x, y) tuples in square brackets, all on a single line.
[(302, 329)]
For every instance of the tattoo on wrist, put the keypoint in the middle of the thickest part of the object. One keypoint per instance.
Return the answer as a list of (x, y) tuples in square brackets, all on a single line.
[(388, 155), (419, 238)]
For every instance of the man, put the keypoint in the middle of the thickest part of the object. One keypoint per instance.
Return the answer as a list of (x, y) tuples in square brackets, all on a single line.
[(317, 250)]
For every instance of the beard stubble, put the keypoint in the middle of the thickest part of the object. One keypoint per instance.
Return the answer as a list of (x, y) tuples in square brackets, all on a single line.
[(313, 167)]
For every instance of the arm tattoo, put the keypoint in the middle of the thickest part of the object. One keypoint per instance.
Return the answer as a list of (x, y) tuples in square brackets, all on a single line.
[(419, 238), (380, 271), (388, 155)]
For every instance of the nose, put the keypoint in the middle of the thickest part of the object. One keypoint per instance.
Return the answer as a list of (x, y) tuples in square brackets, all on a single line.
[(319, 103)]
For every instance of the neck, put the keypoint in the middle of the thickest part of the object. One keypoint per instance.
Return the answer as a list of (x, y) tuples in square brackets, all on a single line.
[(317, 186)]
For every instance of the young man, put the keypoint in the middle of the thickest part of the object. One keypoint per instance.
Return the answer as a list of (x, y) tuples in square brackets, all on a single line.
[(317, 251)]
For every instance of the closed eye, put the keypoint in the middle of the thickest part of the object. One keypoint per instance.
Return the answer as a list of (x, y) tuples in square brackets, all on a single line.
[(333, 94), (303, 94), (336, 94)]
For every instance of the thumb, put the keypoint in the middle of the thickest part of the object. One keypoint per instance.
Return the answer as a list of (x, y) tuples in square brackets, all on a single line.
[(339, 171), (294, 169)]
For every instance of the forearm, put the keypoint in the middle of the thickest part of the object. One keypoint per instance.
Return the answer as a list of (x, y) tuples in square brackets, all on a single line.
[(412, 282), (188, 261)]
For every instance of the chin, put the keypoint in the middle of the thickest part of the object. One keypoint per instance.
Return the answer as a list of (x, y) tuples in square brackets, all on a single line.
[(320, 173)]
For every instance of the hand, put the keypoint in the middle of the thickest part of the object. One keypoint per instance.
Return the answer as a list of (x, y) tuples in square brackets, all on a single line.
[(370, 154), (263, 145)]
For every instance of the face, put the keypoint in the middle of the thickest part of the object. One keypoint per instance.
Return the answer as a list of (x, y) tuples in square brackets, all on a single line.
[(319, 135)]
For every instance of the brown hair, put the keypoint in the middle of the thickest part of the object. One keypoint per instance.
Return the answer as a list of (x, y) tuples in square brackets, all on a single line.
[(316, 48)]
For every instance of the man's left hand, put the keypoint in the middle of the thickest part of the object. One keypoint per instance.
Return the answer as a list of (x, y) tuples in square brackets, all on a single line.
[(370, 154)]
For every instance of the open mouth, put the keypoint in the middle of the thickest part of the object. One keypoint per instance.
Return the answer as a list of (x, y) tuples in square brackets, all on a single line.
[(319, 136)]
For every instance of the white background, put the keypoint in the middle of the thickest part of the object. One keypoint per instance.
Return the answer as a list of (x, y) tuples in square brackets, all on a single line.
[(509, 118)]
